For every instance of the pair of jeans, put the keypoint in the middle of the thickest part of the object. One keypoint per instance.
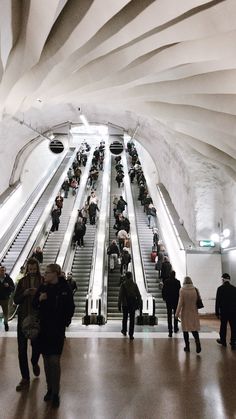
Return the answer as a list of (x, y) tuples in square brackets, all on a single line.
[(52, 370), (131, 312), (113, 260), (224, 319), (22, 352), (80, 240), (171, 309), (4, 305)]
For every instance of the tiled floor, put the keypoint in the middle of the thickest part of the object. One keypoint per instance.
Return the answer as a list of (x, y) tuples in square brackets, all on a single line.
[(107, 376)]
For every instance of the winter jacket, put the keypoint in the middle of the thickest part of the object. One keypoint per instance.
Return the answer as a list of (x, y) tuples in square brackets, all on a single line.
[(113, 249), (187, 309), (55, 314), (80, 229), (166, 269), (5, 292), (129, 295), (38, 256), (170, 291), (225, 299), (25, 301)]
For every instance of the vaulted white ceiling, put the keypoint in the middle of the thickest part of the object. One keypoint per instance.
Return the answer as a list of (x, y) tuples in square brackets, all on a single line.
[(167, 67)]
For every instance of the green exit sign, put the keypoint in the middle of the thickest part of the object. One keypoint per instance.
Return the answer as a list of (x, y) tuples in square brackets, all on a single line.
[(207, 243)]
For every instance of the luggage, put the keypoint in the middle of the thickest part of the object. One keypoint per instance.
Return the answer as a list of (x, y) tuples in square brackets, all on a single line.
[(153, 255), (127, 243)]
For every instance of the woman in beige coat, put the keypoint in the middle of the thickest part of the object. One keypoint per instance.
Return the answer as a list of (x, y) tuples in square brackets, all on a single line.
[(187, 309)]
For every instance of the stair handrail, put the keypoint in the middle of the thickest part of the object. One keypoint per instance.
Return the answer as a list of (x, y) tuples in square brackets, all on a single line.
[(65, 248), (136, 254), (99, 257), (40, 224)]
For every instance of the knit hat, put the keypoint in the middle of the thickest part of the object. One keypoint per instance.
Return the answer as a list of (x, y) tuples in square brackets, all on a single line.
[(226, 276)]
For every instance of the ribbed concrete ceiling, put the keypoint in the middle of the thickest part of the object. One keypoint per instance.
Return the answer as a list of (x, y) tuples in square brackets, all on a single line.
[(166, 66)]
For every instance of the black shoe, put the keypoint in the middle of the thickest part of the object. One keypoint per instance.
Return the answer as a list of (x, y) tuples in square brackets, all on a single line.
[(131, 338), (123, 333), (55, 401), (6, 327), (198, 346), (23, 385), (187, 348), (170, 335), (48, 396), (221, 343), (36, 370), (176, 330)]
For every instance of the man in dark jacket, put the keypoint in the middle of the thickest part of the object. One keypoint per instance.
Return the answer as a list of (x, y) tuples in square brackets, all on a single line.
[(55, 214), (170, 294), (79, 232), (6, 288), (225, 310), (129, 300), (25, 291), (93, 208), (125, 260), (114, 253), (166, 269), (121, 204), (54, 300)]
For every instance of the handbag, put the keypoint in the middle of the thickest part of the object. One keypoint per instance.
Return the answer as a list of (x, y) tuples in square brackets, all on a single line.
[(199, 302), (31, 326)]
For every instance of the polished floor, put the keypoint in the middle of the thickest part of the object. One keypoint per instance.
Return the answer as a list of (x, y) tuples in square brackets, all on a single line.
[(107, 376)]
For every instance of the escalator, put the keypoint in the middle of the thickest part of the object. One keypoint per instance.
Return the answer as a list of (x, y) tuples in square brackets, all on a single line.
[(25, 231), (54, 239), (83, 257), (145, 236), (113, 277)]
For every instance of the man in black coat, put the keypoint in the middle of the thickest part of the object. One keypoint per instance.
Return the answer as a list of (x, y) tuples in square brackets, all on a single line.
[(6, 288), (129, 300), (225, 310), (166, 269), (170, 294), (54, 300)]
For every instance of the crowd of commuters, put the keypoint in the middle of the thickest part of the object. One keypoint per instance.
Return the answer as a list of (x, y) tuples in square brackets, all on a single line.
[(50, 297)]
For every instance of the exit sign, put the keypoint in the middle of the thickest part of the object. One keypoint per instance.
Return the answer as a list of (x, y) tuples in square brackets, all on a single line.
[(207, 243)]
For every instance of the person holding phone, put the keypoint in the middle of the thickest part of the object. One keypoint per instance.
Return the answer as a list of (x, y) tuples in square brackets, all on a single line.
[(25, 291)]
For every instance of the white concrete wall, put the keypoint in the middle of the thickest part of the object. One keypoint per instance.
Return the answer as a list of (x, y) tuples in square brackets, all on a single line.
[(40, 162), (229, 264), (205, 271)]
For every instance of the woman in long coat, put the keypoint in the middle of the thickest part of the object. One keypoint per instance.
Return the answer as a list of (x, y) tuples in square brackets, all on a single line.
[(187, 309)]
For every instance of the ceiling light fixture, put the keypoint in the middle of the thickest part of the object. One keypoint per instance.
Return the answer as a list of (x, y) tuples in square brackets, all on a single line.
[(222, 236)]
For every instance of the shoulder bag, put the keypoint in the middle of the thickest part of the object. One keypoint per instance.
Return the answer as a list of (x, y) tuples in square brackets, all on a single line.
[(199, 302)]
